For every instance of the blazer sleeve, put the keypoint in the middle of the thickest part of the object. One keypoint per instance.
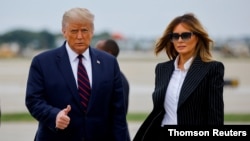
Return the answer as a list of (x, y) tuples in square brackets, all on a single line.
[(215, 97)]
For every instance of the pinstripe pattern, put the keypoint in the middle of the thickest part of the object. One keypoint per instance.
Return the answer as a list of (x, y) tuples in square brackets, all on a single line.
[(200, 101)]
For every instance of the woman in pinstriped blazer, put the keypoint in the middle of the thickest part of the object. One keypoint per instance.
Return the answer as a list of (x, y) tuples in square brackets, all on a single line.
[(188, 87)]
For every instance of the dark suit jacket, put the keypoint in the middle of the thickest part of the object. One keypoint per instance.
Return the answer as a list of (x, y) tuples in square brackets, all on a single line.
[(200, 101), (51, 87), (125, 90)]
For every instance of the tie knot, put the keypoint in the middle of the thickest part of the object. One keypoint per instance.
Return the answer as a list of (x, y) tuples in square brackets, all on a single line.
[(80, 56)]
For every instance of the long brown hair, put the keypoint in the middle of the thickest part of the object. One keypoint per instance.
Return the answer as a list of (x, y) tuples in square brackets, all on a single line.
[(203, 46)]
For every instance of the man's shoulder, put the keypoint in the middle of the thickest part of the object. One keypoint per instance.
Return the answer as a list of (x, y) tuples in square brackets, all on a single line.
[(101, 54)]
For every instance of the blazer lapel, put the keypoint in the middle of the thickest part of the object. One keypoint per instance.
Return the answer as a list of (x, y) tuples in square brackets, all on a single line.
[(195, 74), (162, 80)]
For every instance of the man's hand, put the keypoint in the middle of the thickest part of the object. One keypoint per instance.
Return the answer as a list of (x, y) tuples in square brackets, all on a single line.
[(62, 118)]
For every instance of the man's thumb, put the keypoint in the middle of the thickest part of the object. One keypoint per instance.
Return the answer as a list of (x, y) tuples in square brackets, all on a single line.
[(67, 109)]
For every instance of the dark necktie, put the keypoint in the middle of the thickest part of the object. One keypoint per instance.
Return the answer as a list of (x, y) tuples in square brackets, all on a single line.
[(83, 84)]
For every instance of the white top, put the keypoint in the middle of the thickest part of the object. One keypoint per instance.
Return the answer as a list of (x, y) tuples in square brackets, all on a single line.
[(74, 62), (173, 93)]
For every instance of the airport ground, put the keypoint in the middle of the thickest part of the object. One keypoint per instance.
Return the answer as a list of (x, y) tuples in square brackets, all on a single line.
[(139, 69)]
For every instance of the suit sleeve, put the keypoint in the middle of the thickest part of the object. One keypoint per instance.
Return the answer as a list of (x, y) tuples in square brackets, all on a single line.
[(120, 124), (35, 98)]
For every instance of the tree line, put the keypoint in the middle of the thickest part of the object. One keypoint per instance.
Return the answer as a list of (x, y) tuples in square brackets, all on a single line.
[(38, 40)]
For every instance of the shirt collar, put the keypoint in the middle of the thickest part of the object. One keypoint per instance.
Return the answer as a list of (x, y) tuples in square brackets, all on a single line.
[(186, 65), (73, 55)]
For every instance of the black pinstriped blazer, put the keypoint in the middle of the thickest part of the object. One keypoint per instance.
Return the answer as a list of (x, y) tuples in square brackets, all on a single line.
[(200, 101)]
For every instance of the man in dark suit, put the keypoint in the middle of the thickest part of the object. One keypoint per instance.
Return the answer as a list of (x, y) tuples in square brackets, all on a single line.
[(112, 47), (52, 95)]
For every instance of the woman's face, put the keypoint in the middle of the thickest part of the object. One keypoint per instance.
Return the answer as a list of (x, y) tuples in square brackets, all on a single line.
[(184, 41)]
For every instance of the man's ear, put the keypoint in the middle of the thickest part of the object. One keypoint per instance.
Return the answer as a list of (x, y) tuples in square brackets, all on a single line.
[(63, 33)]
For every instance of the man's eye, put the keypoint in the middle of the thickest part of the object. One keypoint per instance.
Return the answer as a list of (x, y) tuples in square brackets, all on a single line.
[(85, 30), (74, 31)]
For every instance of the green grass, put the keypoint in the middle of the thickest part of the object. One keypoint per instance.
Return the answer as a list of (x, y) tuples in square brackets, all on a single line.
[(136, 116), (237, 118), (227, 117), (18, 117)]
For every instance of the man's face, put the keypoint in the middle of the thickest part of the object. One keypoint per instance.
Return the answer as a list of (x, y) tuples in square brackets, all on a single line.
[(78, 35)]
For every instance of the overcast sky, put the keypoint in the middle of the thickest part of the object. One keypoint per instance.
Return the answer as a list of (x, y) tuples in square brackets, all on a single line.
[(134, 18)]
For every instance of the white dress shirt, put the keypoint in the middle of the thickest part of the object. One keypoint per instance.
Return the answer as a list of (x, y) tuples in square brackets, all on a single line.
[(74, 62), (173, 93)]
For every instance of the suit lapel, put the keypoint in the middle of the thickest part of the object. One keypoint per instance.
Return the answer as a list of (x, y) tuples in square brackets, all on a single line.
[(195, 74), (66, 70), (96, 64)]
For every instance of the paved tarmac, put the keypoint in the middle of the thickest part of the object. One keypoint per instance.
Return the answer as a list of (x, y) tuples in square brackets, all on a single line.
[(25, 131), (140, 73)]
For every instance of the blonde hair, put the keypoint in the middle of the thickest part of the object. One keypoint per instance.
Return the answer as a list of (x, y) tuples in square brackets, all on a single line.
[(203, 46), (78, 14)]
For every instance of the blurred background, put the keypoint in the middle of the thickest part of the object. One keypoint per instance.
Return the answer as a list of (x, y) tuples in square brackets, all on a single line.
[(30, 27)]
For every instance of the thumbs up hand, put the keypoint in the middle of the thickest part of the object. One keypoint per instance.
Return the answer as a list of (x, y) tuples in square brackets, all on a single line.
[(62, 118), (67, 109)]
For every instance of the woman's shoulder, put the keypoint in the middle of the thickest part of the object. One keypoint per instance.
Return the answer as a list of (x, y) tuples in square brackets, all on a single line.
[(216, 63), (168, 62)]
